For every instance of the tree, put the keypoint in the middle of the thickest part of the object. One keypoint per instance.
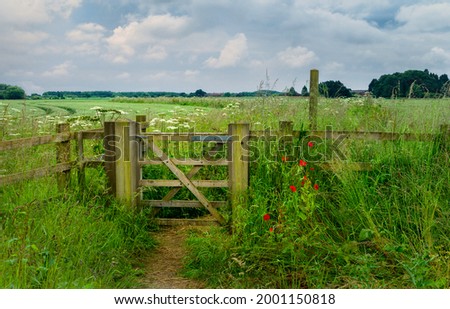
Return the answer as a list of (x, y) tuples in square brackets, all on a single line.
[(305, 92), (199, 93), (292, 92), (411, 84), (8, 92), (334, 89)]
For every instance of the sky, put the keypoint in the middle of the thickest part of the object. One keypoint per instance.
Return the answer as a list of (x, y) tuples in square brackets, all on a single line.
[(217, 45)]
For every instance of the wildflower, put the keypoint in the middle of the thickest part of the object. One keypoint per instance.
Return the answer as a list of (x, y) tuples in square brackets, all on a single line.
[(271, 229), (302, 163), (311, 169), (266, 217), (316, 187), (310, 144), (293, 188), (305, 177), (283, 158)]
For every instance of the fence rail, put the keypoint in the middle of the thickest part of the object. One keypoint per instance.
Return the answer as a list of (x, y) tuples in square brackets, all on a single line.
[(64, 165), (130, 140)]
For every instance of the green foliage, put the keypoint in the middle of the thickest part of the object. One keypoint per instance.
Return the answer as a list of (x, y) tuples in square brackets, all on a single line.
[(334, 89), (68, 241), (8, 92), (410, 84)]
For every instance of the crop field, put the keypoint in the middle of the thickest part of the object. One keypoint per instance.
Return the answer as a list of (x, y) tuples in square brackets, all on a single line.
[(297, 226)]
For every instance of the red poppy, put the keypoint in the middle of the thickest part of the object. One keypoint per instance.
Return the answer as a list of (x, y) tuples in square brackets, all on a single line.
[(302, 163), (271, 229), (311, 169), (310, 144), (293, 188), (316, 187), (283, 158), (303, 183), (305, 178), (266, 217)]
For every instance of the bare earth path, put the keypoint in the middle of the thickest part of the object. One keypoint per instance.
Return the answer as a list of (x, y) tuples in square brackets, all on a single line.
[(164, 264)]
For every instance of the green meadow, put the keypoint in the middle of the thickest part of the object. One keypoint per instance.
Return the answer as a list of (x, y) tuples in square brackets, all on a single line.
[(297, 226)]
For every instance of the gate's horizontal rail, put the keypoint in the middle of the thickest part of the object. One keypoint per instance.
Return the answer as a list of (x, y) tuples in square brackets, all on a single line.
[(187, 137), (178, 183), (180, 204), (183, 222), (187, 161)]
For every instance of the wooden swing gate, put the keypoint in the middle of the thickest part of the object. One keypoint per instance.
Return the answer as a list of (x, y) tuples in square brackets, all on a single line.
[(127, 148)]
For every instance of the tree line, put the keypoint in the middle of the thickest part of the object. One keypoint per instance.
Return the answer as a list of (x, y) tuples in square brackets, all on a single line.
[(409, 84), (8, 92)]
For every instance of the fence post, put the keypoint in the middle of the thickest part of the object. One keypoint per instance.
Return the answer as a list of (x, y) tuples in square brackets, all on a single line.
[(80, 159), (286, 137), (63, 156), (238, 177), (313, 98), (109, 145), (126, 161), (142, 119)]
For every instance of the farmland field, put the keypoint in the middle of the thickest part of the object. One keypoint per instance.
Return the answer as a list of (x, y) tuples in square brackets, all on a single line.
[(298, 226)]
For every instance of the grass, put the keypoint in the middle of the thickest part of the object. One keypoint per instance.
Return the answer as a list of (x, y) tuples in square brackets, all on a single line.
[(68, 240), (384, 228)]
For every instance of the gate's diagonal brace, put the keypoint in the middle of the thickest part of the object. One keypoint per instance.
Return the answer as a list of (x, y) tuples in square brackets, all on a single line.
[(174, 191), (186, 182)]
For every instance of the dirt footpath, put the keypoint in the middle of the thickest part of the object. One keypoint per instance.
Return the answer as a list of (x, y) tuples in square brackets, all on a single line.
[(164, 264)]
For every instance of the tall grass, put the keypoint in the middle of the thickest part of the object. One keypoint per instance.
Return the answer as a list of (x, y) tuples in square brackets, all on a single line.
[(72, 239), (384, 228)]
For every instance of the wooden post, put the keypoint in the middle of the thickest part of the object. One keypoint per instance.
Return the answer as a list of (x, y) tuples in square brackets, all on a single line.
[(80, 159), (143, 144), (238, 156), (63, 156), (286, 137), (313, 99), (109, 144), (126, 164), (142, 119)]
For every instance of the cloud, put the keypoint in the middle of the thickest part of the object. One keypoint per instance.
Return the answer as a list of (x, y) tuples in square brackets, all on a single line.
[(35, 11), (123, 75), (87, 39), (231, 54), (161, 29), (89, 32), (438, 55), (297, 56), (59, 70), (155, 53), (425, 17)]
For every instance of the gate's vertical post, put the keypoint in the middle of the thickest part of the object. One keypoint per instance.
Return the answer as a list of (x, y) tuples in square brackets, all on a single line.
[(313, 99), (238, 165), (126, 164), (142, 120), (63, 156)]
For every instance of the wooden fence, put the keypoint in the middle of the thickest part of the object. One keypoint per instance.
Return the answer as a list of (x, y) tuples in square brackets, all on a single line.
[(126, 144)]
